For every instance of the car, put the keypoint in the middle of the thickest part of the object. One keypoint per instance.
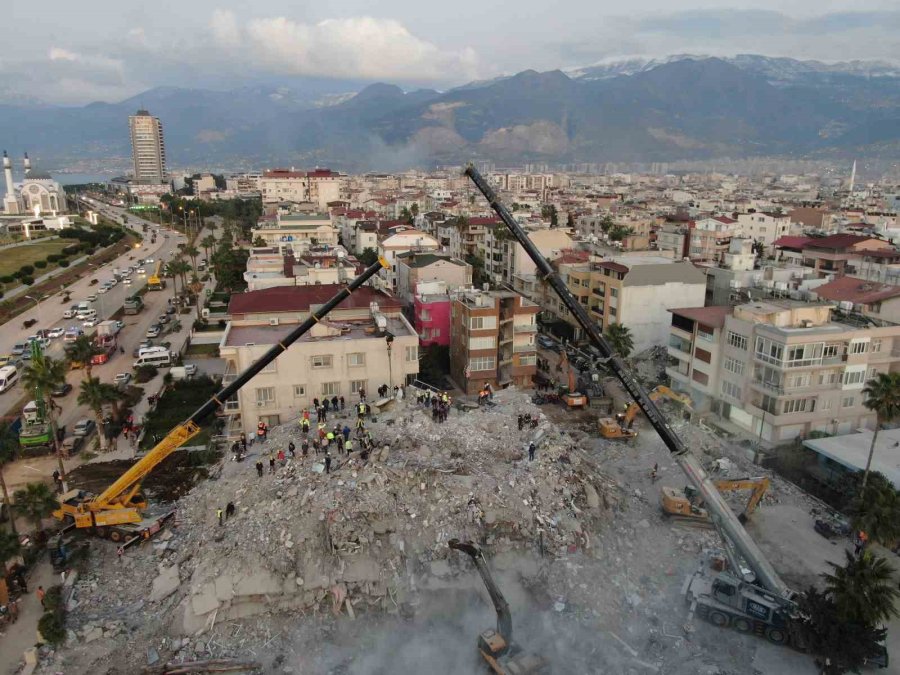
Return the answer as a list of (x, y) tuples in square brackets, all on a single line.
[(104, 289), (122, 379), (61, 390), (144, 345), (44, 342), (546, 342), (83, 427), (90, 323), (43, 333), (9, 360), (148, 261), (112, 282), (141, 270), (19, 349), (120, 325), (126, 281), (163, 319), (170, 310), (69, 313), (57, 332), (92, 297), (154, 331)]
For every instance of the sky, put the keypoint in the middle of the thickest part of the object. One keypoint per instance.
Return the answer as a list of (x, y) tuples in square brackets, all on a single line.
[(73, 53)]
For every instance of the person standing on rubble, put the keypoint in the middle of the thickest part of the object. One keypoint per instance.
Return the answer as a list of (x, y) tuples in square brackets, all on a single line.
[(325, 404), (271, 463), (259, 468), (292, 449), (334, 403), (220, 515), (305, 424), (229, 510), (327, 462), (315, 403), (346, 432), (362, 395), (341, 401), (315, 445), (329, 439), (304, 447), (281, 457), (324, 414), (244, 442), (360, 426), (361, 408), (531, 449), (348, 446), (521, 422)]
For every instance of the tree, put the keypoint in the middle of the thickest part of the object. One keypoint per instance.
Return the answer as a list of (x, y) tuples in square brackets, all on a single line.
[(414, 209), (81, 351), (208, 243), (406, 216), (36, 501), (606, 223), (9, 546), (863, 590), (9, 448), (42, 376), (619, 337), (180, 267), (882, 396), (191, 252), (548, 212), (619, 232), (259, 241), (95, 394), (368, 256), (876, 510)]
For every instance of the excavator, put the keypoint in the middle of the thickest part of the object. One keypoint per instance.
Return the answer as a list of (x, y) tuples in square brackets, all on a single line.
[(621, 427), (496, 646), (572, 398), (741, 590), (687, 505), (118, 512)]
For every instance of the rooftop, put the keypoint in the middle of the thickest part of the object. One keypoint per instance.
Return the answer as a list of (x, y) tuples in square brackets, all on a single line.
[(839, 241), (416, 259), (240, 336), (708, 316), (301, 298), (857, 291), (852, 451)]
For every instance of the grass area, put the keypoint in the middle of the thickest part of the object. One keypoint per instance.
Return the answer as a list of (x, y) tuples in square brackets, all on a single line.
[(203, 350), (180, 400), (11, 259)]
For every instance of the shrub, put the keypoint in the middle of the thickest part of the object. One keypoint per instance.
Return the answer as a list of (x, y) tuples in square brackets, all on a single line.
[(27, 280), (52, 628), (69, 250), (53, 257), (26, 269), (63, 263), (145, 373), (40, 264), (7, 278)]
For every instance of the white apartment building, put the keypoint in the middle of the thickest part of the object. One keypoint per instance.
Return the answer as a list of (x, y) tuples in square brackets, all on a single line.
[(763, 227), (505, 259), (148, 149), (780, 369), (343, 353), (297, 231), (286, 185), (402, 241)]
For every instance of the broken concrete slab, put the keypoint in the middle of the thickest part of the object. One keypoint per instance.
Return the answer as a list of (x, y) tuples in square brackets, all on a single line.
[(205, 600), (165, 583)]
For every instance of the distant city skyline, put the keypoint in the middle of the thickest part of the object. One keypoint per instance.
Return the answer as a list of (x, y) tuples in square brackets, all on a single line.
[(96, 50)]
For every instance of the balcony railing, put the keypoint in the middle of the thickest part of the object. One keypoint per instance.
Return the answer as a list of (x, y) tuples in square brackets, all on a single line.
[(525, 328), (774, 387), (518, 349)]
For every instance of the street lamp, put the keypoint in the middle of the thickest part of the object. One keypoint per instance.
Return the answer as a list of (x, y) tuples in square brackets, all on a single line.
[(37, 305), (389, 340)]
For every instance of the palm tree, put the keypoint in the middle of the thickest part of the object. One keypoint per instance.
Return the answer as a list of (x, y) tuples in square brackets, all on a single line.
[(42, 376), (619, 337), (190, 251), (882, 396), (9, 546), (95, 394), (208, 243), (876, 510), (863, 590), (179, 266), (36, 501), (81, 351), (9, 448)]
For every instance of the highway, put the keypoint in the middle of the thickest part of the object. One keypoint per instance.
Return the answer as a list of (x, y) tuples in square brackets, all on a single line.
[(49, 313)]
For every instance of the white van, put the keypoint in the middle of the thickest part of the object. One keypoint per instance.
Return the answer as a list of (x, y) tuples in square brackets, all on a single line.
[(154, 349), (158, 359), (86, 314), (9, 375), (183, 372)]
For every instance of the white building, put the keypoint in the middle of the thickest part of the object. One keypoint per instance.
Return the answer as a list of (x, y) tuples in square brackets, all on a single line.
[(297, 231), (402, 242)]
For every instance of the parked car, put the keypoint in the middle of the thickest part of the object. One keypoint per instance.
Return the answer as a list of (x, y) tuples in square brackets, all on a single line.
[(122, 379), (90, 323), (92, 297), (154, 331), (69, 313), (104, 289), (120, 325), (71, 445), (163, 319), (19, 348), (57, 332), (61, 390), (170, 310), (83, 427), (144, 345), (546, 342)]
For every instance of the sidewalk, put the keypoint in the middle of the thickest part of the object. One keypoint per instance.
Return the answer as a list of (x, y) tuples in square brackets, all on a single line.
[(23, 633)]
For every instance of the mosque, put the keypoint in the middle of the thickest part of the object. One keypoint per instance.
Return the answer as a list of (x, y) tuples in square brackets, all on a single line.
[(37, 194)]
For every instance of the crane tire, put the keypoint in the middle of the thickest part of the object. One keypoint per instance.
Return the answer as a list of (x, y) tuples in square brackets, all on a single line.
[(101, 532), (718, 619), (776, 636), (742, 625), (116, 536)]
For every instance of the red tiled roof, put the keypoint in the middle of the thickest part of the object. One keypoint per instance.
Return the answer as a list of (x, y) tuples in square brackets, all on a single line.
[(708, 316), (614, 266), (724, 219), (792, 242), (299, 299), (837, 241), (489, 220), (857, 291), (880, 253)]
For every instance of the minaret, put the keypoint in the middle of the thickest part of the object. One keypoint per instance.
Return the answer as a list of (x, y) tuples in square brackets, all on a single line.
[(27, 165), (7, 170), (852, 176)]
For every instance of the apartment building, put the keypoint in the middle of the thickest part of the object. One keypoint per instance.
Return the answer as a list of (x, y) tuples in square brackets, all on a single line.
[(763, 227), (297, 231), (492, 340), (710, 238), (148, 148), (505, 258), (364, 343), (636, 290), (417, 267), (779, 369), (431, 313), (287, 185), (403, 240), (270, 267)]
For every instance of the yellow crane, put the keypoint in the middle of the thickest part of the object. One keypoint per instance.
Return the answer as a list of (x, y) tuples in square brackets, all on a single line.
[(117, 512), (621, 426), (687, 503)]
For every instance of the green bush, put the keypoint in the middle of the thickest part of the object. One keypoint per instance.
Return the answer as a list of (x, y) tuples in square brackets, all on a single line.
[(53, 257), (69, 250), (27, 280), (63, 263), (52, 627), (26, 270), (145, 373), (7, 278), (40, 264)]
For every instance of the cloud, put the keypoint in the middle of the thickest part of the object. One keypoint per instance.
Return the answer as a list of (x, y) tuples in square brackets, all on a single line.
[(356, 47), (59, 54)]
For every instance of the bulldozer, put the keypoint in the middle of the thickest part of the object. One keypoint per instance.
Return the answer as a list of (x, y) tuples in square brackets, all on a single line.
[(496, 646), (687, 504), (621, 426)]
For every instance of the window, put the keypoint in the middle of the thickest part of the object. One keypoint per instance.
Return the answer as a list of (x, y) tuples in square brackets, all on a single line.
[(703, 355), (528, 360), (831, 351), (876, 346), (853, 377), (859, 347), (737, 340), (731, 389), (483, 342), (828, 377), (702, 378), (614, 292), (800, 405), (412, 353), (481, 363), (733, 366), (331, 388), (358, 385), (705, 332), (482, 322), (356, 359), (798, 380), (425, 315), (826, 404), (769, 351), (848, 401), (612, 311), (321, 361), (265, 396), (299, 390)]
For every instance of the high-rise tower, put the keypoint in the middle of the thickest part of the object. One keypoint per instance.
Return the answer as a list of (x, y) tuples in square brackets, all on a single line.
[(147, 148)]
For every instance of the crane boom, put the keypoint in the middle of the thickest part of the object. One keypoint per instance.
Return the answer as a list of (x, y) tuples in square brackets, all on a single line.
[(725, 519), (117, 501)]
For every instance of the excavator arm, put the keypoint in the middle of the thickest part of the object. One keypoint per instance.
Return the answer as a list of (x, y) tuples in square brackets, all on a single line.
[(120, 502), (758, 487), (504, 618), (659, 392)]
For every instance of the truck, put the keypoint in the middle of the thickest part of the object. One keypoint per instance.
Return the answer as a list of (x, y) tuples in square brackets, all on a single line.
[(106, 344), (119, 513), (133, 304), (739, 589), (108, 328)]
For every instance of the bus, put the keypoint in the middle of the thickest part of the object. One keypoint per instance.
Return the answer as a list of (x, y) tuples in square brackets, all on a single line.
[(156, 282)]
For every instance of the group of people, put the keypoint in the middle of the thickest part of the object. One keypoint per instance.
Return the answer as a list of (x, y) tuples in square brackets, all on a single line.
[(527, 420), (439, 402), (226, 514)]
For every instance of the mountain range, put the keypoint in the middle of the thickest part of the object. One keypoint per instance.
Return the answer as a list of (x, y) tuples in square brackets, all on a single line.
[(681, 107)]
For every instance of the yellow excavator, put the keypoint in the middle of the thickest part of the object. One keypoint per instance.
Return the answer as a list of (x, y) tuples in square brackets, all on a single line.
[(687, 504), (496, 646), (117, 513), (621, 426)]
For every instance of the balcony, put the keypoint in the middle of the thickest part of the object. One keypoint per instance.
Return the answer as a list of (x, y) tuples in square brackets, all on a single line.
[(520, 349), (772, 387), (598, 292), (525, 328)]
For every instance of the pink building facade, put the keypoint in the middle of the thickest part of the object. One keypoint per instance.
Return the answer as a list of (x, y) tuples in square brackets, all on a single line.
[(432, 319)]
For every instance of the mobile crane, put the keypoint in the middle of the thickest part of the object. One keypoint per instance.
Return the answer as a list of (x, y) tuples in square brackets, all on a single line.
[(117, 513), (621, 427), (496, 646), (758, 601)]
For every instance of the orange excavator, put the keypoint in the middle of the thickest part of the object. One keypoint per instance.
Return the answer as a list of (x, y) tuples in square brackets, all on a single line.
[(573, 398), (687, 505), (621, 426)]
